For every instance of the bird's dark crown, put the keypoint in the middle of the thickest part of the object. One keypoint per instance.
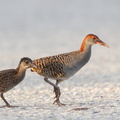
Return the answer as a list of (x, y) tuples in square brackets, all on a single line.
[(26, 60)]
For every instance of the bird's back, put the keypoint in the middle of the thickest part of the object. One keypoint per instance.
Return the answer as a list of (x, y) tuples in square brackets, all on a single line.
[(61, 66), (7, 78)]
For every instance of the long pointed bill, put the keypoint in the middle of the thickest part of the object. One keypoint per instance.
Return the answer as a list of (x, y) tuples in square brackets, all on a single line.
[(33, 65), (102, 43), (34, 68)]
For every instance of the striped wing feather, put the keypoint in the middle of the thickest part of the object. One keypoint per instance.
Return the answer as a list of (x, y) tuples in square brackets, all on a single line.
[(6, 79), (54, 66)]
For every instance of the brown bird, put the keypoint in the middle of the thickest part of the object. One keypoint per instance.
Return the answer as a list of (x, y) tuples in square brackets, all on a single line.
[(63, 66), (11, 77)]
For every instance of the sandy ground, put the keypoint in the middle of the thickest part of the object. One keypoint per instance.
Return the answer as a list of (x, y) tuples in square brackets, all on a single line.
[(35, 101), (97, 89), (37, 29)]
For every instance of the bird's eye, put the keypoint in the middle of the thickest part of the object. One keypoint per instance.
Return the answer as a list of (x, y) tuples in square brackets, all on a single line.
[(26, 62), (94, 40)]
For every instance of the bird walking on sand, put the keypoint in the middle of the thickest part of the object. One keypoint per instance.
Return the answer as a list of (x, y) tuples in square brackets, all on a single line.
[(63, 66), (11, 77)]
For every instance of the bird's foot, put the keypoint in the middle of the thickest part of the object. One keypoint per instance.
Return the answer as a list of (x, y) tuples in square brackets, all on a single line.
[(9, 106), (59, 103)]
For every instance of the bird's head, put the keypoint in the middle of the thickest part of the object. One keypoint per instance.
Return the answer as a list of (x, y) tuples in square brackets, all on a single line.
[(26, 62), (93, 39)]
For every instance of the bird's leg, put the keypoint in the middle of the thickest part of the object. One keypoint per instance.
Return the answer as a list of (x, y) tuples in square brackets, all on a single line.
[(57, 92), (58, 95), (7, 104), (56, 88)]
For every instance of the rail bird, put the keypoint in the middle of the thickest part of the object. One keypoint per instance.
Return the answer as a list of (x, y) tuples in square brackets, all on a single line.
[(63, 66), (9, 78)]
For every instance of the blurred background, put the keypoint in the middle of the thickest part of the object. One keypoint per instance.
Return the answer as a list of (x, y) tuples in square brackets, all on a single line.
[(37, 28)]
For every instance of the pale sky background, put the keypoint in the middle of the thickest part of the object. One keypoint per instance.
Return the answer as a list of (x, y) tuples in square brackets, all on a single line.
[(48, 27)]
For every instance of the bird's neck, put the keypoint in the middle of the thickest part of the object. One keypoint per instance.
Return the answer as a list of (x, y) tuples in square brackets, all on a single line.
[(21, 71), (20, 74), (84, 46)]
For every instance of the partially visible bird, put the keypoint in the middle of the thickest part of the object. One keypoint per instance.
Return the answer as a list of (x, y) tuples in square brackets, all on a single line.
[(11, 77), (63, 66)]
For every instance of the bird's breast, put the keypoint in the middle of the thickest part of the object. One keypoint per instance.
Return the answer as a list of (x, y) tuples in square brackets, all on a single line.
[(78, 63)]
